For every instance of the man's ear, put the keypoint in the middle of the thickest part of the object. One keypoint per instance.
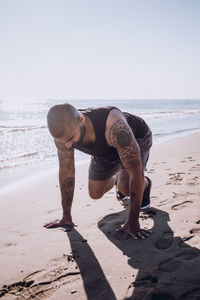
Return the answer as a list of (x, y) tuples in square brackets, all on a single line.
[(82, 119)]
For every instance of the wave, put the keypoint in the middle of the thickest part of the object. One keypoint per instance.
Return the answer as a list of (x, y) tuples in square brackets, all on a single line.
[(161, 114), (16, 165), (176, 132), (18, 157), (186, 111), (17, 161), (9, 129)]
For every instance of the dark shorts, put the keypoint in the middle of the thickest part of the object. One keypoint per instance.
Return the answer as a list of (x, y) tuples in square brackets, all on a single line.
[(101, 169)]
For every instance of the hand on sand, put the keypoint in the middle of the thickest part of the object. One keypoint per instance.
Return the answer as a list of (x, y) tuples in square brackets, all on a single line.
[(68, 225), (133, 229)]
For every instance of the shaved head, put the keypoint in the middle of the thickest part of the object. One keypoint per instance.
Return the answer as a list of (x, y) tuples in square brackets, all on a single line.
[(60, 117)]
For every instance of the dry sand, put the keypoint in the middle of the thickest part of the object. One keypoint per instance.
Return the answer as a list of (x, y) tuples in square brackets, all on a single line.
[(94, 261)]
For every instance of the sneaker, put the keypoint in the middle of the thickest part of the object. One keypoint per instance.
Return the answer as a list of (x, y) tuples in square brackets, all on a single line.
[(146, 195)]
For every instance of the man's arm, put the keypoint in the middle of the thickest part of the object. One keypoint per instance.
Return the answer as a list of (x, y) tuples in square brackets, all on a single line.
[(122, 138), (67, 183)]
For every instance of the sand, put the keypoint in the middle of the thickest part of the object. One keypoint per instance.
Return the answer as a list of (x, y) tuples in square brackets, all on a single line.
[(95, 261)]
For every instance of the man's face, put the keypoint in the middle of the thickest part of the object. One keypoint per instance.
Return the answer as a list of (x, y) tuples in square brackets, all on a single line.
[(73, 135)]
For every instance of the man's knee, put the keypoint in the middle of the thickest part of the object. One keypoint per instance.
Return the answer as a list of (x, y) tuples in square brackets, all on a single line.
[(94, 191), (98, 188), (95, 194)]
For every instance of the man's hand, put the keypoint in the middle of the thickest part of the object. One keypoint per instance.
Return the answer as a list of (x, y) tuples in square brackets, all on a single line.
[(68, 224), (133, 228)]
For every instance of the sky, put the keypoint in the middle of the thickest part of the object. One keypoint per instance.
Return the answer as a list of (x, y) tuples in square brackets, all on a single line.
[(99, 49)]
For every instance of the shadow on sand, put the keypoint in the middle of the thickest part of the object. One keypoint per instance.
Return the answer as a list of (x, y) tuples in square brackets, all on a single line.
[(94, 281), (168, 268)]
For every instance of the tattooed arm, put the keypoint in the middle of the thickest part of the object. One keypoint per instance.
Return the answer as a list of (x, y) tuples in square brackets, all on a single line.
[(67, 182), (122, 138)]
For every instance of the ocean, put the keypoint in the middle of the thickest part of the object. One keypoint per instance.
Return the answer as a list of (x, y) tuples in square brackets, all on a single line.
[(27, 147)]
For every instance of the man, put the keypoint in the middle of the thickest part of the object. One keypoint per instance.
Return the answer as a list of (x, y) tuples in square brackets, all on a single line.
[(119, 144)]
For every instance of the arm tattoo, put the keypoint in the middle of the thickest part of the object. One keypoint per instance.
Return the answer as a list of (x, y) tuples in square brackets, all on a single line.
[(66, 159), (66, 174), (67, 191), (66, 156), (122, 138)]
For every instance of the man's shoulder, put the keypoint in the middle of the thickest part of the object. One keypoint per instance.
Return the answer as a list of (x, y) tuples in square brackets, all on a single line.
[(116, 119), (115, 114)]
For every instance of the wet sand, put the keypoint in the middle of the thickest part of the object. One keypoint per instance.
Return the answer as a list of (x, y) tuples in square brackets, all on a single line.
[(94, 261)]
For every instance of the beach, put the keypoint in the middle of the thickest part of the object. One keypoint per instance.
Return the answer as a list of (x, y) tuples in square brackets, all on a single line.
[(26, 144), (95, 261)]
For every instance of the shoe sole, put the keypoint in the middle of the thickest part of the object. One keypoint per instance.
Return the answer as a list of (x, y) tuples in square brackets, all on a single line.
[(145, 207)]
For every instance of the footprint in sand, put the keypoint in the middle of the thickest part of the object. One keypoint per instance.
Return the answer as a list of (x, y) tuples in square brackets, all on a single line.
[(41, 283), (165, 202), (187, 238), (175, 178), (165, 241), (10, 244), (52, 210), (195, 231), (195, 181), (180, 205), (151, 171), (190, 158), (15, 288)]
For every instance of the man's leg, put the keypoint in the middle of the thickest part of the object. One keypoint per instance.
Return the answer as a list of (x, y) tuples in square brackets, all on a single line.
[(123, 182), (97, 188)]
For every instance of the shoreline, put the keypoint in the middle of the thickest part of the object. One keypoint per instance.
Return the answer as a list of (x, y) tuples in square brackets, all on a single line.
[(94, 261), (32, 172)]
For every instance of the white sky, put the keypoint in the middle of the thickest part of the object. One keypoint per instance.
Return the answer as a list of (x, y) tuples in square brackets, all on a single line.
[(99, 49)]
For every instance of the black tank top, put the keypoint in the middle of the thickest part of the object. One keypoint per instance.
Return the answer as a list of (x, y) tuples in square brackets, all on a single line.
[(98, 117)]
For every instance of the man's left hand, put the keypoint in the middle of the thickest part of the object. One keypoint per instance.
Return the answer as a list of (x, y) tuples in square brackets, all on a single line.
[(133, 229)]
